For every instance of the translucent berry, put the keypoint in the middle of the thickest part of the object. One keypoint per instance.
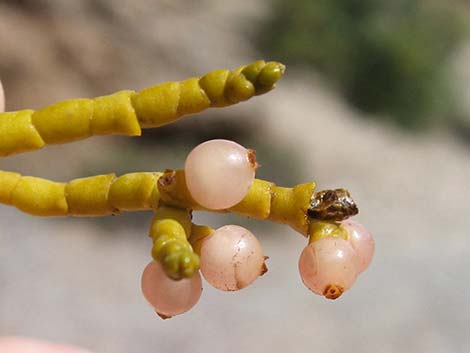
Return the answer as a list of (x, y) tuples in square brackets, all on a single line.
[(219, 173), (328, 266), (231, 258), (362, 242), (167, 296)]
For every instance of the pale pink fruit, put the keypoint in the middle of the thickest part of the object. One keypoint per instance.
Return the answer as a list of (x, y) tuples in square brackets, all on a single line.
[(167, 296), (362, 242), (231, 258), (328, 266), (219, 173)]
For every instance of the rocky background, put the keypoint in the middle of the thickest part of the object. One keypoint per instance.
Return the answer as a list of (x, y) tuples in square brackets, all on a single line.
[(77, 280)]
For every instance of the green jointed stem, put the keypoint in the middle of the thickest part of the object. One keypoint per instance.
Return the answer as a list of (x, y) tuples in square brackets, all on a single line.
[(173, 234), (107, 194), (170, 230), (126, 112)]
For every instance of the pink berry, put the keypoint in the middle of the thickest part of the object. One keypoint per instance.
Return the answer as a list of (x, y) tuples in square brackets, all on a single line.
[(362, 242), (2, 98), (231, 258), (167, 296), (328, 266), (219, 173)]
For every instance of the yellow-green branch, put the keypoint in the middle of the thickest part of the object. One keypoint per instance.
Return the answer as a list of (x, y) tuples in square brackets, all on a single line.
[(126, 112), (176, 241), (170, 231), (107, 194)]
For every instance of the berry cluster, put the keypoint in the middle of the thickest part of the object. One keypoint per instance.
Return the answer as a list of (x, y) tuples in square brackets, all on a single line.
[(219, 174), (330, 265)]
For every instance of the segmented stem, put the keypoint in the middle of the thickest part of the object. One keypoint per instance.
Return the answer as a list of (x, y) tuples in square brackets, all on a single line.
[(264, 201), (126, 112), (170, 231), (107, 194)]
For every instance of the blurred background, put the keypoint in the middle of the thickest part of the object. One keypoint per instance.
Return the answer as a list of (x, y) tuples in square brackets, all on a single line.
[(376, 99)]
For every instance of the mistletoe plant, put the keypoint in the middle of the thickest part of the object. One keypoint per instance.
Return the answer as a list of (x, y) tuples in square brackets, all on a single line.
[(218, 176)]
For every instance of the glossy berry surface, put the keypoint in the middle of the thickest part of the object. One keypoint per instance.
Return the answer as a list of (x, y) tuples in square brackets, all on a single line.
[(362, 242), (167, 296), (231, 258), (328, 266), (219, 173)]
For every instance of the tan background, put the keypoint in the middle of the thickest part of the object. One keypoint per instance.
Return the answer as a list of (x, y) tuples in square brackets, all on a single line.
[(77, 280)]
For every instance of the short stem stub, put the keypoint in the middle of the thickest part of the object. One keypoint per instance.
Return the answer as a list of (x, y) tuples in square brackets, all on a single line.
[(163, 316), (333, 291)]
